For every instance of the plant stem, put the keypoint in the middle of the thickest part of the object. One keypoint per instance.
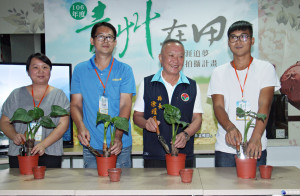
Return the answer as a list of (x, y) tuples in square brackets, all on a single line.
[(104, 139), (36, 128), (245, 132), (28, 131), (173, 133), (176, 129), (112, 138)]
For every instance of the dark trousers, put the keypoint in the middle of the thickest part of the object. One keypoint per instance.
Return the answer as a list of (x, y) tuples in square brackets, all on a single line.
[(151, 163), (49, 161), (223, 159)]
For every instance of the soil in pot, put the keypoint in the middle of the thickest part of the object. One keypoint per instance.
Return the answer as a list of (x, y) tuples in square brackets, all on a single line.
[(186, 175), (245, 168), (114, 174), (175, 163), (105, 163), (39, 172), (26, 163)]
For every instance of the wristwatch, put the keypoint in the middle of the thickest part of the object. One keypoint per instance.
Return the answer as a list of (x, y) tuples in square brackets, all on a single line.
[(187, 136)]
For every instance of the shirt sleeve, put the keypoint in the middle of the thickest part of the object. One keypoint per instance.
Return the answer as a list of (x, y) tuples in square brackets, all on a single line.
[(64, 101), (214, 86), (139, 104), (269, 77), (128, 82), (9, 106), (198, 102)]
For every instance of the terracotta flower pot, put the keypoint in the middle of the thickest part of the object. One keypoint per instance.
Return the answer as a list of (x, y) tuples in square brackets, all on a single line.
[(114, 174), (105, 163), (39, 172), (175, 164), (265, 171), (26, 163), (186, 175), (245, 168)]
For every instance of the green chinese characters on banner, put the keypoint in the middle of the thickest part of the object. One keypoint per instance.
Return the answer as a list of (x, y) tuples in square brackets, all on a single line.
[(78, 11)]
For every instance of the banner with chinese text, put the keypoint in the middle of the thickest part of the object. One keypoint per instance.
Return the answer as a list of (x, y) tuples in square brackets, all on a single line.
[(142, 26)]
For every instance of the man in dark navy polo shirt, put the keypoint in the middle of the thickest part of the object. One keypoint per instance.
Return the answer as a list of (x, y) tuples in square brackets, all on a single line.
[(168, 86)]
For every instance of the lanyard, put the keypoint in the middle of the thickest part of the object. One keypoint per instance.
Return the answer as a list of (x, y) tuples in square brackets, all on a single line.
[(104, 86), (41, 99), (242, 88)]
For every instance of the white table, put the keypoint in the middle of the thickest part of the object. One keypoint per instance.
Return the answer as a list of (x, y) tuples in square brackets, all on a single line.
[(138, 181), (224, 181)]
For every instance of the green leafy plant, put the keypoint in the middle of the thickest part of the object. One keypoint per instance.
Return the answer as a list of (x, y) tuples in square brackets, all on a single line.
[(118, 123), (243, 114), (36, 116), (172, 116)]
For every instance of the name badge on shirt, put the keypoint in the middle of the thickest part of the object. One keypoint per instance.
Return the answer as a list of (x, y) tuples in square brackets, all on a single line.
[(38, 135), (245, 105), (103, 105)]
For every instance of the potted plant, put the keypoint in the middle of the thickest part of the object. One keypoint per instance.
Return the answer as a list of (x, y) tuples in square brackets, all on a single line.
[(107, 161), (246, 167), (174, 161), (37, 117)]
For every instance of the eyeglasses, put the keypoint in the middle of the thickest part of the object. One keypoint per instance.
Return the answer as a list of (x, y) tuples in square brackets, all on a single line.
[(102, 38), (234, 38)]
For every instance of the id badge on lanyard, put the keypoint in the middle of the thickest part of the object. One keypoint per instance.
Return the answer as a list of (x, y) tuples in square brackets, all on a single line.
[(38, 135), (103, 104), (103, 100), (245, 105)]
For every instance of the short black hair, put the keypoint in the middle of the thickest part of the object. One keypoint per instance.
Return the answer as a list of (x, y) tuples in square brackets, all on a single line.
[(240, 26), (171, 41), (106, 24), (39, 56)]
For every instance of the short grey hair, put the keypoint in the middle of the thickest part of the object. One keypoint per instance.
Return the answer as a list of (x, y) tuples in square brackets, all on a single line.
[(167, 41)]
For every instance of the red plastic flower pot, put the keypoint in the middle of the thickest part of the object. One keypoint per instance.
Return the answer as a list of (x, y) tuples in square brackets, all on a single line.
[(175, 164), (105, 163), (26, 163), (245, 168)]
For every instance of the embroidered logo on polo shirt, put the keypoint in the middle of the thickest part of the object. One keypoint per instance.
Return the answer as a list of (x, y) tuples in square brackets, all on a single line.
[(185, 97), (117, 79)]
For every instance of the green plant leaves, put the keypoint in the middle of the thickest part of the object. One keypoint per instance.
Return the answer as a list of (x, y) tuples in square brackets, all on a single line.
[(121, 123), (261, 116), (184, 124), (172, 114), (47, 122), (118, 123), (240, 112), (103, 118), (56, 110), (248, 125), (36, 113), (21, 115)]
